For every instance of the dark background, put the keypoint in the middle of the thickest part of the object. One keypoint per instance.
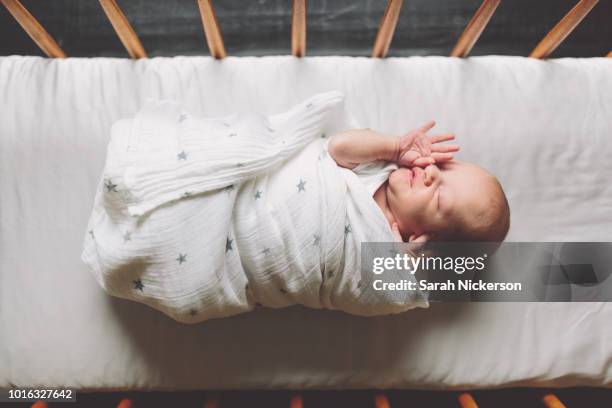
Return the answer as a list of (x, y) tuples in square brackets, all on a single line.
[(340, 27)]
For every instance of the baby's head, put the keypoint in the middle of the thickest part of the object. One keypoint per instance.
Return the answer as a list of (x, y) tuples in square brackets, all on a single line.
[(449, 201)]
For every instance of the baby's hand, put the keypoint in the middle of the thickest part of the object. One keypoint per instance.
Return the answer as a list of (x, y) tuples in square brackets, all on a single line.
[(416, 149)]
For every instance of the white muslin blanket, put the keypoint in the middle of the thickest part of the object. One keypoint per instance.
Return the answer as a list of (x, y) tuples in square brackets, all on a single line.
[(209, 217)]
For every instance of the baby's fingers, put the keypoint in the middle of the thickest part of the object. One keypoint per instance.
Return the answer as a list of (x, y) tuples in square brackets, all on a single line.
[(425, 128), (424, 161), (396, 232), (440, 157), (445, 148), (444, 137)]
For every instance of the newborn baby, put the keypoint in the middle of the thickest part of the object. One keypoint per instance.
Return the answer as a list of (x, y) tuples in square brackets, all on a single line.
[(203, 218), (427, 195)]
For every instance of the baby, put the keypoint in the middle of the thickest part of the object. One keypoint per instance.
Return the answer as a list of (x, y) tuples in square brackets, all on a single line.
[(209, 217), (430, 196)]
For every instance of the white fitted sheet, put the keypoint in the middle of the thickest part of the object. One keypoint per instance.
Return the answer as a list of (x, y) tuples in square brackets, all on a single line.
[(544, 128)]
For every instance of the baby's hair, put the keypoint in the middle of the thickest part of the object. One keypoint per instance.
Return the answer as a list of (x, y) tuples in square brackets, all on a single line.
[(491, 225)]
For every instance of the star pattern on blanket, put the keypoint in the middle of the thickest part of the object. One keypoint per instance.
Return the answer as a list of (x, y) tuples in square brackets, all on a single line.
[(226, 124), (309, 105), (181, 258), (233, 134), (91, 232), (127, 236), (301, 186), (138, 284), (182, 117), (266, 251), (323, 136), (228, 244), (110, 187), (193, 312), (347, 229), (182, 155), (317, 239), (187, 194), (258, 194), (269, 129), (239, 164)]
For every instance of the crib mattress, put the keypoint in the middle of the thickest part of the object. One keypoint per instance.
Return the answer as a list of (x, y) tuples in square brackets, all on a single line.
[(544, 128)]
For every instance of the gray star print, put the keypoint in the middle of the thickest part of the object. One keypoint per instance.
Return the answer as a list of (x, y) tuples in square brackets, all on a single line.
[(91, 232), (317, 240), (228, 245), (138, 284), (182, 117), (301, 186), (347, 229), (110, 186), (193, 312), (186, 193), (258, 194), (266, 251), (239, 164), (233, 134), (309, 105), (181, 258), (127, 236), (182, 155)]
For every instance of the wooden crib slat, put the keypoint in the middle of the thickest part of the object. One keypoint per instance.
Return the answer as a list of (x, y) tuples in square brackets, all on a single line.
[(609, 54), (34, 29), (475, 28), (387, 28), (39, 404), (212, 401), (467, 401), (563, 28), (211, 29), (551, 401), (381, 401), (296, 402), (124, 30), (298, 28), (125, 403)]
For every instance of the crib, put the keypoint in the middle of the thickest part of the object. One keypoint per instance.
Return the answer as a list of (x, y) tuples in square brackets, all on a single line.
[(92, 85)]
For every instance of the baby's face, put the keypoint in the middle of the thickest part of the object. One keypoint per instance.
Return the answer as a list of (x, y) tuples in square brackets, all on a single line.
[(437, 197)]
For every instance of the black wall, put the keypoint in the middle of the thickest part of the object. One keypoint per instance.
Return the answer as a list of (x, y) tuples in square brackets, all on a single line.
[(341, 27)]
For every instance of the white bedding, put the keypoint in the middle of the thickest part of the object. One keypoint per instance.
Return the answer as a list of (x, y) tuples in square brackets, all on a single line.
[(544, 128)]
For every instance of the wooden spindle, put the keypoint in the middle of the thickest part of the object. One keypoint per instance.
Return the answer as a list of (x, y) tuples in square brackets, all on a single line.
[(551, 401), (609, 54), (475, 28), (36, 31), (563, 28), (124, 30), (125, 403), (387, 28), (211, 29), (381, 401), (39, 404), (296, 402), (298, 28), (212, 401), (467, 401)]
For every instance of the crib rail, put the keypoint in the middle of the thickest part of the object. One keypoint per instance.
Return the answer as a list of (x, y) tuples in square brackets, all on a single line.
[(380, 400), (124, 30), (382, 43)]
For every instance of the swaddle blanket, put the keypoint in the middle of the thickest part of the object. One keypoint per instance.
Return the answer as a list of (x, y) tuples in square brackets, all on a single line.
[(209, 217)]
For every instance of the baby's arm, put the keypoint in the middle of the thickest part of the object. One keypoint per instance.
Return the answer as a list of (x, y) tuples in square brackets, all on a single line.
[(353, 147), (415, 148)]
